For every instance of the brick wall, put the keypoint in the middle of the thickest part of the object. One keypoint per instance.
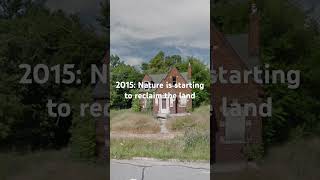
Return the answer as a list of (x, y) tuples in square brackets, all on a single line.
[(179, 79), (224, 56)]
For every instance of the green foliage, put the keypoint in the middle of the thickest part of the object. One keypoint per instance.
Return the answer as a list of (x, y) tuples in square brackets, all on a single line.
[(83, 133), (156, 63), (121, 72), (231, 16), (136, 105), (182, 124), (104, 18), (194, 138), (200, 74), (160, 149), (83, 142), (149, 105), (39, 36), (290, 40), (253, 152)]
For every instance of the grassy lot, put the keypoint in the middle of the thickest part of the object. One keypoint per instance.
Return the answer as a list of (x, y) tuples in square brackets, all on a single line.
[(294, 161), (194, 145), (133, 122), (49, 165), (199, 119)]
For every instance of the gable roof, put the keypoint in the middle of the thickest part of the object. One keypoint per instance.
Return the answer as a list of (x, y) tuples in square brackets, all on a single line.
[(239, 42), (157, 78)]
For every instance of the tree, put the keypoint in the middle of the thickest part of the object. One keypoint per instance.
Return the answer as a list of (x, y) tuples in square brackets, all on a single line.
[(104, 18), (290, 40), (157, 63), (40, 36), (115, 61), (122, 73)]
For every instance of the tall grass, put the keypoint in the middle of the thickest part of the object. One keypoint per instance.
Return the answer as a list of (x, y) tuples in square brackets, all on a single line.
[(177, 148), (133, 122), (199, 119)]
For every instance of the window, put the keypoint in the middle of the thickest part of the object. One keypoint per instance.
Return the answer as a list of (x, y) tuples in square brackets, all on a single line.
[(234, 128), (164, 104), (174, 80), (146, 85)]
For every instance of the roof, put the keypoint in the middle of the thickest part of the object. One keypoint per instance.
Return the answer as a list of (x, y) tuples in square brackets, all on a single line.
[(157, 78), (240, 44)]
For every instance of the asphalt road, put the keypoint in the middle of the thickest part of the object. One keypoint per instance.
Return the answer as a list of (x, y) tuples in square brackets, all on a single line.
[(148, 169)]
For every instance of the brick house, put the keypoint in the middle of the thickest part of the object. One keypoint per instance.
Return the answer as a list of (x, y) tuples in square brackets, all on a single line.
[(177, 105), (235, 52)]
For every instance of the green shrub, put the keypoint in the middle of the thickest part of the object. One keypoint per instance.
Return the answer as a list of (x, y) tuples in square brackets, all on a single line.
[(136, 105), (83, 143), (254, 152)]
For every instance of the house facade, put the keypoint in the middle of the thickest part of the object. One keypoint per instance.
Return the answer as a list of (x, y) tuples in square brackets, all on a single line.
[(169, 101), (233, 135)]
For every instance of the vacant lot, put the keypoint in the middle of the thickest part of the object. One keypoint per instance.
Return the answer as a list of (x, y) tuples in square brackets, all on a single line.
[(199, 119), (127, 121), (194, 144)]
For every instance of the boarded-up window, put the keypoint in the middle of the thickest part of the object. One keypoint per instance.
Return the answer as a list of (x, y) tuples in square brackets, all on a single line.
[(164, 103), (235, 128), (183, 102)]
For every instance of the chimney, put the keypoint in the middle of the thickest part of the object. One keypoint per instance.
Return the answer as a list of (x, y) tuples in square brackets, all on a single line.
[(189, 71), (254, 31)]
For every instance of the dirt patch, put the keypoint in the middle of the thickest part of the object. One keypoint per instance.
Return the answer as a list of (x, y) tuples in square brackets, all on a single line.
[(157, 136)]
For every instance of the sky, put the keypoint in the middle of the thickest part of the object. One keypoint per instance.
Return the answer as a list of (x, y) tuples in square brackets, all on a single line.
[(142, 28), (88, 10)]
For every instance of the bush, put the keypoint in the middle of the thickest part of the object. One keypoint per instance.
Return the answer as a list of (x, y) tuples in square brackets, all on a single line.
[(136, 105), (83, 142), (254, 152), (83, 132)]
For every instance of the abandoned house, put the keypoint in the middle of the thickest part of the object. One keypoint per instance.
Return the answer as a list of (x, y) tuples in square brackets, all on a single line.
[(175, 104), (234, 135)]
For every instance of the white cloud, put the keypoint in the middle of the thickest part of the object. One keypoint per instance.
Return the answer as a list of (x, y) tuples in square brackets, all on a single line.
[(133, 61), (166, 23)]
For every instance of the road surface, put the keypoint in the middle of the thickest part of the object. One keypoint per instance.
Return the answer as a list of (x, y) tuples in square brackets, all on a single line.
[(149, 169)]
